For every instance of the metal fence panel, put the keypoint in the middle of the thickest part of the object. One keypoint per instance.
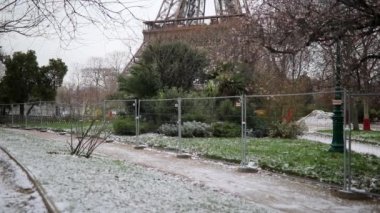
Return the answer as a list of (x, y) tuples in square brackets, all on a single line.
[(236, 129), (363, 138)]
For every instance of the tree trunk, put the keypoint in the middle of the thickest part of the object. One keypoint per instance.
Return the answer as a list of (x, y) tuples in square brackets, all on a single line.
[(30, 109), (354, 115)]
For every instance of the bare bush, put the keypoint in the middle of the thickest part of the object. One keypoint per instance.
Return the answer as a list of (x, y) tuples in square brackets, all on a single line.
[(84, 140)]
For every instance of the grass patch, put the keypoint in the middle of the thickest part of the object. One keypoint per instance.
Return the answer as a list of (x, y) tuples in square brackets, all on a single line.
[(360, 134), (291, 156)]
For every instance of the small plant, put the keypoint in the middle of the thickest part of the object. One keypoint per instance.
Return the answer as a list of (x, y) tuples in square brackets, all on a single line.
[(189, 129), (127, 126), (195, 129), (124, 126), (225, 129), (84, 141), (257, 133), (168, 129), (285, 130)]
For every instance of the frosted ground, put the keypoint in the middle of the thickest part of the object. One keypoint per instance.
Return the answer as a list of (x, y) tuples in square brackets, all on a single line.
[(100, 184), (17, 193)]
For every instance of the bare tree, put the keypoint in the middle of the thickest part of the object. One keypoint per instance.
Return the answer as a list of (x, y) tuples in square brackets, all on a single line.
[(117, 60), (287, 26), (63, 17), (99, 78)]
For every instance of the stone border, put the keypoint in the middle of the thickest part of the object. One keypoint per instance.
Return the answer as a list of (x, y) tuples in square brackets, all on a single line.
[(50, 206)]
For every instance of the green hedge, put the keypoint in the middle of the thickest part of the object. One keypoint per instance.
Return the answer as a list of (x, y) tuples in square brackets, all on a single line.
[(225, 129)]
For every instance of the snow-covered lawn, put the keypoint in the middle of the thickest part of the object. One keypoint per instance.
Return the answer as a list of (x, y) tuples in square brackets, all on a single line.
[(100, 184), (17, 193)]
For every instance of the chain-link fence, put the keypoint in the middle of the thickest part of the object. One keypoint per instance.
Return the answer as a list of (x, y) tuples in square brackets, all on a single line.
[(49, 115), (292, 133), (211, 127), (289, 133), (159, 116), (363, 140), (121, 116)]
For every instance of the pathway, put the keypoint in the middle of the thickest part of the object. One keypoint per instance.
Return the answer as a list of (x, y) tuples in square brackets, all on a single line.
[(355, 146), (277, 191)]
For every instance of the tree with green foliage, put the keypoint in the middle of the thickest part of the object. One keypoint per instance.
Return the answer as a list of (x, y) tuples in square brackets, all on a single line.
[(143, 82), (49, 78), (165, 65), (232, 78), (18, 81), (24, 81)]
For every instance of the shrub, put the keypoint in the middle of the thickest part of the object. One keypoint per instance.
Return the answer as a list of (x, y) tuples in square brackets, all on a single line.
[(127, 126), (257, 133), (195, 129), (285, 130), (259, 127), (194, 116), (89, 138), (225, 129), (168, 129), (124, 126), (226, 111), (189, 129)]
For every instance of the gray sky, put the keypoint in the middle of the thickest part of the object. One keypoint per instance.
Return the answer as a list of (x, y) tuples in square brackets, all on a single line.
[(91, 43)]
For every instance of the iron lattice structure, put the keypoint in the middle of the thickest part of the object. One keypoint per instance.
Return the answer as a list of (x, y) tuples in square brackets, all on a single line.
[(189, 9), (186, 21)]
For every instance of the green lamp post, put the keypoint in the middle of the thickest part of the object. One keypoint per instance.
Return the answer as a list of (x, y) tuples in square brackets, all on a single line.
[(337, 140)]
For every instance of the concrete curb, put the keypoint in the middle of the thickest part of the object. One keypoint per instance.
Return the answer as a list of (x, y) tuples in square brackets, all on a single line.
[(50, 206)]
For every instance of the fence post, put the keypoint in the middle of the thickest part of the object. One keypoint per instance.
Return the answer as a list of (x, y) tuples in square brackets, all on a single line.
[(26, 116), (104, 111), (349, 142), (345, 176), (40, 114), (137, 119), (244, 160), (179, 122), (12, 115)]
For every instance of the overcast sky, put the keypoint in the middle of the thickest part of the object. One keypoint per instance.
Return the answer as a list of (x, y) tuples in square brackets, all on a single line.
[(91, 43)]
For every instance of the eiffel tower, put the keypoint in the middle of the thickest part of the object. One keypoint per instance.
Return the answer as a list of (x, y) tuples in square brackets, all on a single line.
[(190, 9), (186, 21)]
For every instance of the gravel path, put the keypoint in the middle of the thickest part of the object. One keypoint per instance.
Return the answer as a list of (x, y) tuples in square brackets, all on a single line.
[(102, 184)]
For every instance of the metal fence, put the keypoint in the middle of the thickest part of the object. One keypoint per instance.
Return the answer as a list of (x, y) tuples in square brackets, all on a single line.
[(363, 136), (235, 128), (43, 115)]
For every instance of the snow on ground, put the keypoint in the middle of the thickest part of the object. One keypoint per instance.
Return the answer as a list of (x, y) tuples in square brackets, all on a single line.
[(320, 120), (355, 146), (17, 193), (103, 185), (317, 120)]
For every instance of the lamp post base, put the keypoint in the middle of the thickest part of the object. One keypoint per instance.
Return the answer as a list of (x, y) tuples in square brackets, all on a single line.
[(336, 148)]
